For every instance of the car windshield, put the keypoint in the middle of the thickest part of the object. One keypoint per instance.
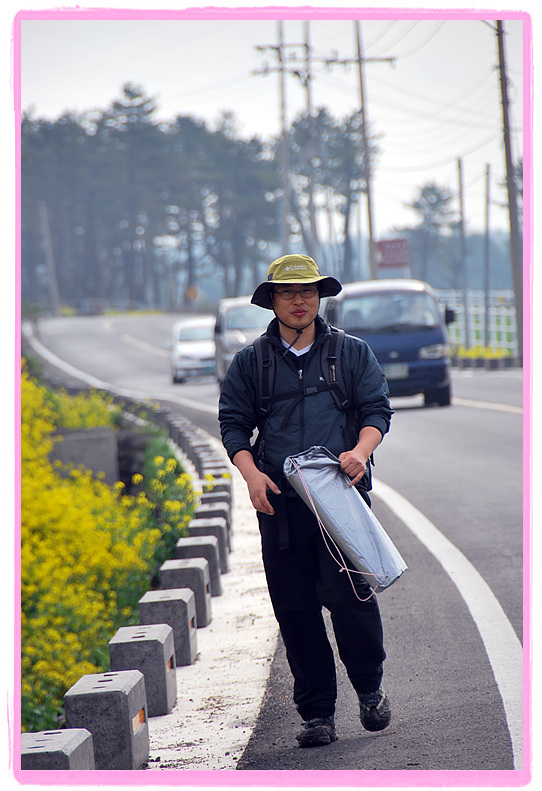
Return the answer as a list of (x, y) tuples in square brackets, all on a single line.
[(394, 311), (247, 317), (196, 333)]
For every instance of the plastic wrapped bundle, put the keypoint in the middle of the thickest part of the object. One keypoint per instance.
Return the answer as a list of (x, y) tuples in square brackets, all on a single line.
[(317, 477)]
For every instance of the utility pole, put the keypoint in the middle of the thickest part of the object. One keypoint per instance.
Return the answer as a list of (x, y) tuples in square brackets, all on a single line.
[(304, 74), (278, 49), (360, 60), (285, 153), (50, 264), (486, 260), (516, 256), (312, 148), (373, 269), (466, 316)]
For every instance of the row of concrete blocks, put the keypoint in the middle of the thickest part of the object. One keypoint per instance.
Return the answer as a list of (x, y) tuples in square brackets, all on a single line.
[(107, 714)]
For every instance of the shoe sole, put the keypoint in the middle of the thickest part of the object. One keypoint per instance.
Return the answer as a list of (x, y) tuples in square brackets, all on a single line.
[(376, 727), (317, 739)]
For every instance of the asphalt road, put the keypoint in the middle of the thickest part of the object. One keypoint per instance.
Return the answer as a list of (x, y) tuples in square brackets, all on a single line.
[(453, 623)]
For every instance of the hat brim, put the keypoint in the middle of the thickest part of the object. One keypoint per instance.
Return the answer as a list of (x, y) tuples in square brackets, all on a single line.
[(329, 287)]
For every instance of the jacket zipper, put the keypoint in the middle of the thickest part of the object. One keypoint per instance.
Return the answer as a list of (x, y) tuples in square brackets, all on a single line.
[(302, 411)]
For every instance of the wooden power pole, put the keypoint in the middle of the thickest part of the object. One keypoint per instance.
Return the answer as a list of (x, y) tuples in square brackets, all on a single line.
[(516, 255)]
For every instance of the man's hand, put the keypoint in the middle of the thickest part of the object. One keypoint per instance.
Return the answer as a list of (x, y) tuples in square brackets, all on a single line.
[(257, 482), (354, 464)]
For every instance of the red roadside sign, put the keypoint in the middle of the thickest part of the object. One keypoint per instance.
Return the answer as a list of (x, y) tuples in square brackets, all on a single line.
[(393, 253)]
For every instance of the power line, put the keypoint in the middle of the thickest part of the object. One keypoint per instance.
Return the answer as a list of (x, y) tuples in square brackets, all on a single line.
[(442, 163), (398, 38), (423, 44)]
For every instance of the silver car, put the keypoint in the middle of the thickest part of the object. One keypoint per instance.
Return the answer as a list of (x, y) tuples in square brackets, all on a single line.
[(238, 323), (192, 348)]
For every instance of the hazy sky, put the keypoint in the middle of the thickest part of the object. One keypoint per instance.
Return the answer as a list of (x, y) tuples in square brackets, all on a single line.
[(439, 101)]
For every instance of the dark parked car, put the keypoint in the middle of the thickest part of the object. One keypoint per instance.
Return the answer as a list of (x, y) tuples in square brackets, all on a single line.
[(238, 323), (403, 324)]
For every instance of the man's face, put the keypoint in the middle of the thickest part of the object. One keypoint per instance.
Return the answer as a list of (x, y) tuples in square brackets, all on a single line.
[(296, 304)]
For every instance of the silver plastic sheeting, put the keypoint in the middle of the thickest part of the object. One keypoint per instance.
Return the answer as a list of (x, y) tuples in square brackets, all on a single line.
[(345, 515)]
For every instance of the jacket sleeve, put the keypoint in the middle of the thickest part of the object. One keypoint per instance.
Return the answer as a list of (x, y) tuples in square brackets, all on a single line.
[(370, 394), (237, 406)]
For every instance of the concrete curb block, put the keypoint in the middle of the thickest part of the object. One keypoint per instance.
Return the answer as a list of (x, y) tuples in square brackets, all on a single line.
[(67, 749), (113, 708)]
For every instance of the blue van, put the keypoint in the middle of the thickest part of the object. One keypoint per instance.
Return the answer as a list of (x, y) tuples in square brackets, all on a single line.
[(403, 324)]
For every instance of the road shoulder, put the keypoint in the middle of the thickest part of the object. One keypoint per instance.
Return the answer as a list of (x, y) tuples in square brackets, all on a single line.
[(219, 696)]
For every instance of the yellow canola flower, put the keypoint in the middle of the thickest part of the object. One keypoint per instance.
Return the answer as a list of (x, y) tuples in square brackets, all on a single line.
[(171, 464)]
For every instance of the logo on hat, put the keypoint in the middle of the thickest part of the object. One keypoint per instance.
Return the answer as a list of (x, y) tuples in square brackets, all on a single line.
[(296, 268)]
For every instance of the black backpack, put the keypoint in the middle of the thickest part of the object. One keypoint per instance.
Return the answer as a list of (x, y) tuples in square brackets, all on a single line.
[(330, 364)]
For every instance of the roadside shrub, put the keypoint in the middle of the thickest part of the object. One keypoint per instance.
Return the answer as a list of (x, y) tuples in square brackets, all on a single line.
[(164, 484), (87, 409), (480, 353)]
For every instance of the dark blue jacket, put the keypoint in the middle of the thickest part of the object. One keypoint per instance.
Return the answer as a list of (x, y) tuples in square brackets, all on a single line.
[(315, 420)]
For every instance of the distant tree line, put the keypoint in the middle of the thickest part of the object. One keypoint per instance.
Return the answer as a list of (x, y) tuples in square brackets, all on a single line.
[(119, 208)]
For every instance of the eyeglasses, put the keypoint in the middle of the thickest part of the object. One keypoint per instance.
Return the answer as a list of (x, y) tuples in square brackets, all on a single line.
[(289, 293)]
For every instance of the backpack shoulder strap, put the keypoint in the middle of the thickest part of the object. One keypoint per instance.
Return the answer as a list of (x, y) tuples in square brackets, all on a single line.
[(331, 351), (265, 360)]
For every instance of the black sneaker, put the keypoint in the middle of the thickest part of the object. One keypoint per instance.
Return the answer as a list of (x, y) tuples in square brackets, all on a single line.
[(317, 732), (374, 710)]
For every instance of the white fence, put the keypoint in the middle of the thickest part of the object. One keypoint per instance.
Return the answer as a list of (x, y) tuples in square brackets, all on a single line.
[(501, 320)]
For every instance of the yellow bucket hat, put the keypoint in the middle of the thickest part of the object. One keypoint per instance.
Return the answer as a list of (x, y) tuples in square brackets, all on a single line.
[(293, 269)]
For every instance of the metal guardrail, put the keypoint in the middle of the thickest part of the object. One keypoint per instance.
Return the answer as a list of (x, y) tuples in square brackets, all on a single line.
[(501, 320)]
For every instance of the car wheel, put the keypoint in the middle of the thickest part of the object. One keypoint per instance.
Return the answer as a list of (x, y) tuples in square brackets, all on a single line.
[(441, 396)]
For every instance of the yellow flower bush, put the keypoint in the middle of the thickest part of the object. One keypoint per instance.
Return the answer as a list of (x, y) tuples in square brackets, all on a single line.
[(86, 409), (88, 552)]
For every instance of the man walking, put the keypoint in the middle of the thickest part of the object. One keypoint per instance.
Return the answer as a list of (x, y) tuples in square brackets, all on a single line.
[(302, 576)]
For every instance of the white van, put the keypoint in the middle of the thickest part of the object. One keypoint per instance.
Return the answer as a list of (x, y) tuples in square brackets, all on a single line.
[(238, 323)]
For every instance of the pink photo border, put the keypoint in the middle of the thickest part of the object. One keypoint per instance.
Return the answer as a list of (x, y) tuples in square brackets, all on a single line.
[(313, 779)]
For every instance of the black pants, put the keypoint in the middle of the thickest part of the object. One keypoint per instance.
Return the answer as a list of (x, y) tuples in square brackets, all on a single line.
[(301, 579)]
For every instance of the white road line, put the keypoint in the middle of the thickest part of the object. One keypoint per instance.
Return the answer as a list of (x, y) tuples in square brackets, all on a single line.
[(147, 347), (487, 405), (71, 370), (503, 648), (64, 366)]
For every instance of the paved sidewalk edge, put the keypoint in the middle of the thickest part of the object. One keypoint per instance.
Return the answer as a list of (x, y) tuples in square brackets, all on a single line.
[(220, 695)]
